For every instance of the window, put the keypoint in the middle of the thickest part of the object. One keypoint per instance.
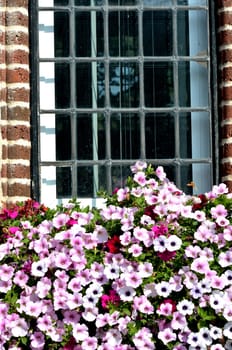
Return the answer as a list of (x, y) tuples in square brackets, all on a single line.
[(122, 80)]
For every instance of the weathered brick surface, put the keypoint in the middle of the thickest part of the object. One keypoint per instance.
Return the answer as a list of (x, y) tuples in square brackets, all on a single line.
[(15, 99), (17, 132), (226, 131), (15, 171), (226, 150), (15, 152), (224, 21)]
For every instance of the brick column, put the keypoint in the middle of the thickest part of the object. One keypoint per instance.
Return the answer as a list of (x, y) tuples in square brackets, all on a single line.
[(225, 88), (15, 181)]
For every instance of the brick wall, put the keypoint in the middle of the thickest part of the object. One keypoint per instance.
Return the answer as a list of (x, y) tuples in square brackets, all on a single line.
[(15, 180), (224, 11)]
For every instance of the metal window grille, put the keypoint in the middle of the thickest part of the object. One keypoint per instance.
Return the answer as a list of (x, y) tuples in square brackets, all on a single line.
[(122, 80)]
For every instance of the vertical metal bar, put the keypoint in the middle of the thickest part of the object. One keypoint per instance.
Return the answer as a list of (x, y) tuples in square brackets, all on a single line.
[(74, 117), (141, 84), (107, 98), (34, 94), (176, 95), (94, 100)]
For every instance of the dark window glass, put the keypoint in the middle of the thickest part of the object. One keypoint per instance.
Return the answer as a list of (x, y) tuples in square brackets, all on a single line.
[(123, 33), (125, 136), (184, 83), (90, 89), (62, 85), (83, 90), (91, 136), (63, 182), (61, 2), (158, 84), (61, 33), (89, 2), (85, 181), (185, 135), (89, 34), (183, 33), (123, 2), (157, 33), (160, 137), (124, 84), (63, 137)]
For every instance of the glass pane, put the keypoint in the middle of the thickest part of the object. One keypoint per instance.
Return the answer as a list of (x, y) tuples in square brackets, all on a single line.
[(193, 84), (61, 2), (185, 135), (90, 85), (158, 2), (89, 34), (124, 84), (192, 2), (63, 182), (157, 127), (123, 33), (125, 133), (61, 27), (123, 2), (91, 136), (89, 2), (62, 85), (157, 25), (195, 134), (63, 137), (183, 33), (85, 181), (119, 175), (192, 33), (158, 84), (202, 177)]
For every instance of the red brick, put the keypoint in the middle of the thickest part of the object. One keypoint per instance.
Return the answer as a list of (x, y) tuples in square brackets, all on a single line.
[(17, 56), (226, 131), (16, 18), (18, 113), (17, 75), (226, 112), (11, 171), (16, 190), (18, 95), (17, 38), (226, 93), (17, 132), (225, 37), (226, 151), (16, 152)]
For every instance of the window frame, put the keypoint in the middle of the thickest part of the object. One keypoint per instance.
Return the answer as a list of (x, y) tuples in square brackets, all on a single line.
[(34, 81)]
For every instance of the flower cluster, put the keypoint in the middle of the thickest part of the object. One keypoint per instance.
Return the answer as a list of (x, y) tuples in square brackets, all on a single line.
[(150, 270)]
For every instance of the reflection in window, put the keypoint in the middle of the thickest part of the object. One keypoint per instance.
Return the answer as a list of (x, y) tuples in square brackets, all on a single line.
[(124, 84)]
